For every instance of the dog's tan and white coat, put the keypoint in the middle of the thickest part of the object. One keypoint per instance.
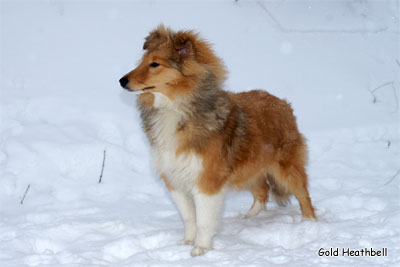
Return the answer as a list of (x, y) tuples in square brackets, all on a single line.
[(205, 140)]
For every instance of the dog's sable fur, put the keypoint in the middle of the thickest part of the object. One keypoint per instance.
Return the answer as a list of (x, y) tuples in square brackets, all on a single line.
[(205, 140)]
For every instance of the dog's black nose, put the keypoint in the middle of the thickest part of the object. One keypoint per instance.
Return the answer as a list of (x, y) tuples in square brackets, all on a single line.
[(123, 81)]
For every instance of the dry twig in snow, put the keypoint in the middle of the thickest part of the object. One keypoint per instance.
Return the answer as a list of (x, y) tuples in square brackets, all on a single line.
[(394, 176), (102, 167), (393, 90), (26, 191)]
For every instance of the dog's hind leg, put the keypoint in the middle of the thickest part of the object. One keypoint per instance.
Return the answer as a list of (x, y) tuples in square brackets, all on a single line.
[(260, 192), (301, 192)]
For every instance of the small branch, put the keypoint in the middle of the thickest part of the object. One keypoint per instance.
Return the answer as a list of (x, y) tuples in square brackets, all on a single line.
[(395, 95), (380, 86), (102, 167), (394, 176), (398, 62), (26, 191), (393, 90)]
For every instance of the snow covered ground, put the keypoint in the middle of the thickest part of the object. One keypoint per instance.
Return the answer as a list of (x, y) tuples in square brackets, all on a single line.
[(338, 62)]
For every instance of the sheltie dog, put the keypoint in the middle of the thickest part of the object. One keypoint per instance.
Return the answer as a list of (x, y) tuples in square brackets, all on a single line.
[(205, 140)]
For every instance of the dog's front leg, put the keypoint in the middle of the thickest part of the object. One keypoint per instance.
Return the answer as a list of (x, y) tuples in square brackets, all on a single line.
[(208, 211), (186, 207)]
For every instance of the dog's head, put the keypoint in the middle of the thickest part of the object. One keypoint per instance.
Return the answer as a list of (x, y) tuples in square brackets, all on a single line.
[(173, 64)]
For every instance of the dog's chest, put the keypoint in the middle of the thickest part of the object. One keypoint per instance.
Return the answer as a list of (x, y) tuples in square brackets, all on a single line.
[(181, 171)]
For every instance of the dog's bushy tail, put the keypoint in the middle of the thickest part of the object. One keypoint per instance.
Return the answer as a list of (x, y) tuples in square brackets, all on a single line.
[(279, 193)]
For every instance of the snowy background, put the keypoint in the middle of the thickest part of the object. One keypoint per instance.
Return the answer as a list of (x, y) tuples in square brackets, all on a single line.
[(337, 62)]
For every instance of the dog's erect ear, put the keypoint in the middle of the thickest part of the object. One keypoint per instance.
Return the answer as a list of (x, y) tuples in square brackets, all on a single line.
[(183, 44), (156, 38)]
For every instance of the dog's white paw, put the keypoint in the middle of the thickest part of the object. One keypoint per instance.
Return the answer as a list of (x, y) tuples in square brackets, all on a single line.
[(198, 251), (185, 242), (244, 216), (241, 216), (310, 219)]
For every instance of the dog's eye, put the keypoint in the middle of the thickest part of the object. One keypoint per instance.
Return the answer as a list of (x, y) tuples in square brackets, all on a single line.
[(154, 64)]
